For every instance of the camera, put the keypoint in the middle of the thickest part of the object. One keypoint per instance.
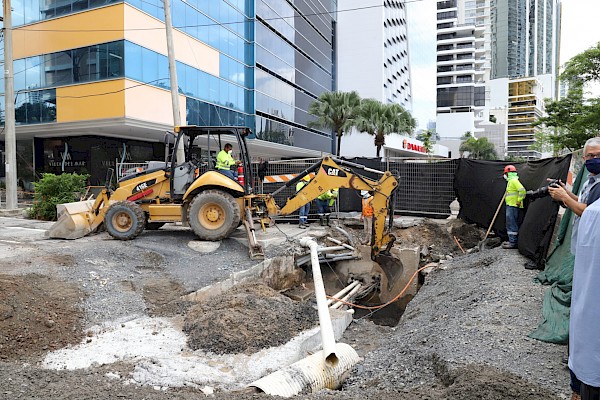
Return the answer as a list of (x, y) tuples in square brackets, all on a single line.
[(543, 191)]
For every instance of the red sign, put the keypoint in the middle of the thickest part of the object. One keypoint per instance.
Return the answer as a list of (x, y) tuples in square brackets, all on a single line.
[(411, 146)]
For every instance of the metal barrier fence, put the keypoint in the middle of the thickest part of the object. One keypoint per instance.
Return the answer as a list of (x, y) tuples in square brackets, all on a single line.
[(426, 186)]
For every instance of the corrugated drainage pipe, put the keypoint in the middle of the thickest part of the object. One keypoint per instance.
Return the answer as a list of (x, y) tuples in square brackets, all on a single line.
[(325, 369), (310, 374)]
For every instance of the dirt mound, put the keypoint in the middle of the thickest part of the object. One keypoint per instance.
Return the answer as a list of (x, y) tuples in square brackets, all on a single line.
[(484, 382), (37, 314), (162, 297), (246, 319), (427, 235)]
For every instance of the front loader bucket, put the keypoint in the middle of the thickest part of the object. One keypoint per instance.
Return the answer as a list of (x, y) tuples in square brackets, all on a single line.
[(74, 220)]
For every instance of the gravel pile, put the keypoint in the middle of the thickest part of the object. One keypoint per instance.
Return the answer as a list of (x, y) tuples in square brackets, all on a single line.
[(476, 314)]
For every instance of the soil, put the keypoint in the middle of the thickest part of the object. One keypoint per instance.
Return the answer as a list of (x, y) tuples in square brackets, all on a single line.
[(464, 336), (246, 319), (37, 314), (437, 241)]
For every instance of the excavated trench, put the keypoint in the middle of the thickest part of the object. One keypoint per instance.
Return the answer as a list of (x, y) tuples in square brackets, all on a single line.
[(258, 320)]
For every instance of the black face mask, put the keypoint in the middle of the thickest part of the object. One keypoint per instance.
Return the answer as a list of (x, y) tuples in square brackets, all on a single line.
[(593, 165)]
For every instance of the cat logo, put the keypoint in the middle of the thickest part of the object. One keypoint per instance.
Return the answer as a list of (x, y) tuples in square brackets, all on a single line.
[(143, 186), (335, 172)]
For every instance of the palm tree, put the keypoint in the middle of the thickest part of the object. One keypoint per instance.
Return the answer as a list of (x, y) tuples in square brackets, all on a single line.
[(336, 111), (379, 119), (480, 149)]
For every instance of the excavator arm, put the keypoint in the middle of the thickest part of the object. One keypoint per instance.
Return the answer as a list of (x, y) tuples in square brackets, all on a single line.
[(331, 173)]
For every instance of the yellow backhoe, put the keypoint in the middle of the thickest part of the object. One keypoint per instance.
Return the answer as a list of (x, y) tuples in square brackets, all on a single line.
[(212, 204)]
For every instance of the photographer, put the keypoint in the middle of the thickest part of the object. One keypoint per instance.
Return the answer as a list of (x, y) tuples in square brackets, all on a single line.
[(590, 191)]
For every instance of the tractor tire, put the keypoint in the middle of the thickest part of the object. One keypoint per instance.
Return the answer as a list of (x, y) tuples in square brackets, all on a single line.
[(153, 226), (124, 220), (213, 215)]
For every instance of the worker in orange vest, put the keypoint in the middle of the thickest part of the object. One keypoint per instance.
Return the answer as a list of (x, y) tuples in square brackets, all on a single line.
[(367, 214)]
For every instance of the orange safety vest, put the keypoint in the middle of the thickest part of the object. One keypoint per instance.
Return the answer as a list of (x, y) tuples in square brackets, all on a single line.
[(367, 208)]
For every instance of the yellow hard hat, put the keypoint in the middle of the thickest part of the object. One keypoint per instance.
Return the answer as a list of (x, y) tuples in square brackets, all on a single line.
[(306, 178)]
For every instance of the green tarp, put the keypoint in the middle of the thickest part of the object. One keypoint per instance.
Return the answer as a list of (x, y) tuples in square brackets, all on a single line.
[(558, 273)]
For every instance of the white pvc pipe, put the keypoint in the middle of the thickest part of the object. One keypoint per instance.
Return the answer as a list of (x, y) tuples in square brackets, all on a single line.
[(343, 291), (327, 335), (346, 297), (341, 243), (332, 248)]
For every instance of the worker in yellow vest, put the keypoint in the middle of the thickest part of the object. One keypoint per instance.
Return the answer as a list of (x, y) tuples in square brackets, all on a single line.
[(303, 223), (324, 202)]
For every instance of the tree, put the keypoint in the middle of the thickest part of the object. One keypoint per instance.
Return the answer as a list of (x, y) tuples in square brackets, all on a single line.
[(574, 119), (379, 119), (479, 149), (584, 67), (428, 137), (336, 111)]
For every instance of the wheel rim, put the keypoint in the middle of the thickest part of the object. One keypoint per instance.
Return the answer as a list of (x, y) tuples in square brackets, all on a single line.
[(211, 216), (122, 221)]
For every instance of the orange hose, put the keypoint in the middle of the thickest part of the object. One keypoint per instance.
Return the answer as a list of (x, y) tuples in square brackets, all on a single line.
[(385, 304)]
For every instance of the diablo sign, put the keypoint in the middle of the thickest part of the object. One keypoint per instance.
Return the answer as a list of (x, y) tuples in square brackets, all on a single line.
[(414, 147)]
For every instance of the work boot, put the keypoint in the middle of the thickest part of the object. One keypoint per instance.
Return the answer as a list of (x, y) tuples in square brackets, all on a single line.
[(322, 220), (509, 245), (302, 225), (327, 218)]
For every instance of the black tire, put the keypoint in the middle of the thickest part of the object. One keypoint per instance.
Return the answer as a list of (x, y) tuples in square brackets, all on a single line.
[(213, 215), (153, 226), (124, 220)]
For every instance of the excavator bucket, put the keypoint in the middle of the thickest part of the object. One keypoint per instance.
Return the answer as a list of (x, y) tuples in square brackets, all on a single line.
[(74, 220)]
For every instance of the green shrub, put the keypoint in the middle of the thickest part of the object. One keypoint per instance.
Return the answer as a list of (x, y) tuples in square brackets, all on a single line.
[(56, 189)]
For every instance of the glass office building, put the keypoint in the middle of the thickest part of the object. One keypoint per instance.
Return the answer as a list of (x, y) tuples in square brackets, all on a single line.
[(92, 82)]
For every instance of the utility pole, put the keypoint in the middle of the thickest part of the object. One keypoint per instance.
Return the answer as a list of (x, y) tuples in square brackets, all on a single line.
[(173, 77), (10, 142)]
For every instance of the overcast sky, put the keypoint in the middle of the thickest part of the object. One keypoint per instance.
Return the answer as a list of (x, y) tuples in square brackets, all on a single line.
[(580, 19)]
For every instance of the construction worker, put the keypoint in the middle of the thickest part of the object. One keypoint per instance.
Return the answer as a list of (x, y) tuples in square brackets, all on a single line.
[(226, 165), (303, 223), (515, 195), (324, 202), (366, 215)]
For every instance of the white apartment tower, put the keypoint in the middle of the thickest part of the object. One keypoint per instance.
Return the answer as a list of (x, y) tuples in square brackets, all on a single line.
[(373, 60), (372, 50), (463, 66)]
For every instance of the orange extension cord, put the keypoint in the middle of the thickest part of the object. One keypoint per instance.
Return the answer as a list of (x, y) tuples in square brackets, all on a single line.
[(385, 304)]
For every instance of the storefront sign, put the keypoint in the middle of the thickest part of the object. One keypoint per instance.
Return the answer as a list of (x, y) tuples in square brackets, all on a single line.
[(414, 147)]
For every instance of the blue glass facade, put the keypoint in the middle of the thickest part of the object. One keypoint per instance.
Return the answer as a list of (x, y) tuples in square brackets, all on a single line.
[(276, 57)]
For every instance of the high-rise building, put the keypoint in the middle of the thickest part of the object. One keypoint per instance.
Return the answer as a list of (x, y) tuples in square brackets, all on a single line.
[(514, 40), (462, 67), (372, 47), (92, 81), (373, 60)]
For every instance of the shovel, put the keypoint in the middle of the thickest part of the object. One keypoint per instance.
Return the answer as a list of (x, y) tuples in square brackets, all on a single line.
[(481, 245)]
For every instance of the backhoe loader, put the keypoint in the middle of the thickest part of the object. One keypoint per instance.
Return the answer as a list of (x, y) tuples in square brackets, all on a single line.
[(212, 204)]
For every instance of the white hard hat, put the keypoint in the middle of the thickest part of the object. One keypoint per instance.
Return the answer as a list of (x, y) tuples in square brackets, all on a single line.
[(364, 193)]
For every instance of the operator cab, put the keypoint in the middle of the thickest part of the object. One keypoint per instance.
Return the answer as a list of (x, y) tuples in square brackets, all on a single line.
[(201, 144)]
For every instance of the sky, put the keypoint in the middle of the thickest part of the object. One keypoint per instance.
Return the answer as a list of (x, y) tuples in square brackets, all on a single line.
[(579, 32)]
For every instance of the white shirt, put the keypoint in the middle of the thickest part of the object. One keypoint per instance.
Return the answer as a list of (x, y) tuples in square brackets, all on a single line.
[(584, 324)]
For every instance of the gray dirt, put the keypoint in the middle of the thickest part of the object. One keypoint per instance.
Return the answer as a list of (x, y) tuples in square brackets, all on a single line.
[(464, 336)]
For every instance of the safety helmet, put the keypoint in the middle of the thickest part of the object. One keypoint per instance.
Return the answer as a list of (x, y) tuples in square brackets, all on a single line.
[(306, 178), (364, 193), (509, 168)]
